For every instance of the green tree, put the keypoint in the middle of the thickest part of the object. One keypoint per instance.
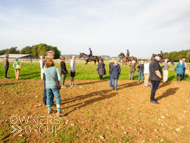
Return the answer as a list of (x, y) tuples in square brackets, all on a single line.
[(26, 50), (188, 56)]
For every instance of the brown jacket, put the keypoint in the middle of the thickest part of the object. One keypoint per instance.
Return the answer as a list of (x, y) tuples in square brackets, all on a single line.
[(132, 65), (6, 62)]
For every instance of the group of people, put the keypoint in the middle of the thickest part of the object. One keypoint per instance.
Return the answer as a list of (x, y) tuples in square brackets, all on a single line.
[(55, 80), (16, 66), (114, 72)]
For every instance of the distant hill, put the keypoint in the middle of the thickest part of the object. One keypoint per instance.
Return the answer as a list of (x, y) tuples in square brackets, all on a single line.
[(70, 56)]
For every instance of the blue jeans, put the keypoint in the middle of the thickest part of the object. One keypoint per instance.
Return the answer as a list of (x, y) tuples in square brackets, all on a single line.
[(140, 75), (50, 94), (114, 81), (110, 80)]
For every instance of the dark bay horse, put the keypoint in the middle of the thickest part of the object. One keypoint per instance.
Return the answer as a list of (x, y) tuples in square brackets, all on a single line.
[(124, 60), (93, 59), (162, 60)]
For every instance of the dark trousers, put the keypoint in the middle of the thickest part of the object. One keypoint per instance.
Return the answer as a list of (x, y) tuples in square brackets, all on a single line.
[(44, 94), (179, 75), (100, 76), (6, 70), (184, 73), (154, 85)]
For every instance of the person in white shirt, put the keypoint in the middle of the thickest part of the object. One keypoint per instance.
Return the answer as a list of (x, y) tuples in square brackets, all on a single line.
[(41, 66), (72, 70), (146, 73)]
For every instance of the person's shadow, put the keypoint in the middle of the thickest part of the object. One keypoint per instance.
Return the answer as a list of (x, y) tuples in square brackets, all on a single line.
[(165, 84), (171, 78), (103, 95), (168, 92)]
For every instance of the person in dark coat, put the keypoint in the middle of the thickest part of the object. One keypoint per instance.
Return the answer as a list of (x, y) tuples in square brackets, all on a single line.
[(155, 77), (63, 72), (110, 65), (115, 71), (141, 69), (101, 69), (6, 65)]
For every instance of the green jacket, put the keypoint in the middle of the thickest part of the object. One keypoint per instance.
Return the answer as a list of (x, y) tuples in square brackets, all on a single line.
[(15, 64)]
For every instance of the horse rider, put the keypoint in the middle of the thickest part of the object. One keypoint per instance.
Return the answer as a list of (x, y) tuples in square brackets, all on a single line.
[(161, 55), (90, 53), (127, 55)]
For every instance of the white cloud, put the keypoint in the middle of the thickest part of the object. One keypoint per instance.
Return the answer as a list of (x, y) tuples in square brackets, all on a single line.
[(108, 26)]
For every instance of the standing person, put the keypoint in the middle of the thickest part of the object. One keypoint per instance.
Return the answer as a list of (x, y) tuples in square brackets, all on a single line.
[(166, 66), (141, 69), (6, 65), (110, 65), (73, 70), (115, 71), (127, 55), (41, 66), (146, 73), (101, 69), (63, 72), (132, 69), (161, 53), (51, 55), (52, 80), (155, 76), (185, 64), (17, 67), (180, 67)]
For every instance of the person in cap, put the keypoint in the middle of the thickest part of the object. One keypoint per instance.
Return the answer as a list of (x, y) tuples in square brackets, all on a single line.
[(90, 53), (127, 55), (155, 77)]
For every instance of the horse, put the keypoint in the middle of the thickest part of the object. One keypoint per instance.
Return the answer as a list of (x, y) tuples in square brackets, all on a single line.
[(94, 58), (124, 60), (163, 59)]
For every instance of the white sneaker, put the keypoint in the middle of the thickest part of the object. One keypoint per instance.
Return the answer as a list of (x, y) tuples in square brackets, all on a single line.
[(63, 86)]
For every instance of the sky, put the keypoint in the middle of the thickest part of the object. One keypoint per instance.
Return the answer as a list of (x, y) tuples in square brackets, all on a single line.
[(107, 26)]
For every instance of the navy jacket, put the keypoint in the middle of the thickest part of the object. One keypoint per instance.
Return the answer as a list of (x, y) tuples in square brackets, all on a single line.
[(101, 69), (115, 71)]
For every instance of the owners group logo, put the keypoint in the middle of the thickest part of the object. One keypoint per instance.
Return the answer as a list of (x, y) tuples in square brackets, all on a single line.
[(29, 124)]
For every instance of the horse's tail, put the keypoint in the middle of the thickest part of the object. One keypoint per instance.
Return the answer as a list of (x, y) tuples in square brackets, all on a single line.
[(136, 60), (171, 61)]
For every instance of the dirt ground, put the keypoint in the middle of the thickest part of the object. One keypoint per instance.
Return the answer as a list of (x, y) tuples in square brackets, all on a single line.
[(96, 113)]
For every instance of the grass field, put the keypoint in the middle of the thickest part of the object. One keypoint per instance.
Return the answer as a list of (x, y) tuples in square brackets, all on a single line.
[(84, 72)]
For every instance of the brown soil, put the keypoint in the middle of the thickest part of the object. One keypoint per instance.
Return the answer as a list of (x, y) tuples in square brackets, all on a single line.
[(96, 113)]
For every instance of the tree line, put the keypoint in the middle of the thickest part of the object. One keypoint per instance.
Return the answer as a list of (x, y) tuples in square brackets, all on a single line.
[(35, 50), (177, 55)]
